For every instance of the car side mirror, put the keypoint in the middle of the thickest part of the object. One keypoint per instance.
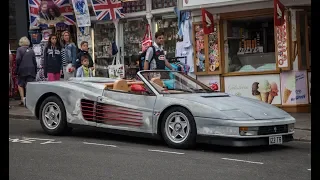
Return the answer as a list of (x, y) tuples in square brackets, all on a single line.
[(138, 88)]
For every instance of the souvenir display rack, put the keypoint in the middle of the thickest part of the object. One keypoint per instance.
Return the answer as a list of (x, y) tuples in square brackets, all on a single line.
[(134, 6), (170, 27), (158, 4), (207, 57), (104, 35), (133, 33)]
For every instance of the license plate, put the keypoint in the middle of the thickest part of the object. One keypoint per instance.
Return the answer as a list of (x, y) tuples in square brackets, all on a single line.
[(275, 140)]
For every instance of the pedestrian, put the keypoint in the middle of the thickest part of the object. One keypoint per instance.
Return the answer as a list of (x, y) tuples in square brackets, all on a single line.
[(84, 70), (69, 61), (155, 55), (26, 68), (84, 51), (53, 59), (10, 62)]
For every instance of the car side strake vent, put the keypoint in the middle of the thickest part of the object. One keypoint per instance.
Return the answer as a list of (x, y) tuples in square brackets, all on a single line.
[(88, 109), (215, 96), (116, 115)]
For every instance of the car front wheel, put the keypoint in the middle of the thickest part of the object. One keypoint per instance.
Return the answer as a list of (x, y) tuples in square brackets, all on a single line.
[(53, 116), (179, 128)]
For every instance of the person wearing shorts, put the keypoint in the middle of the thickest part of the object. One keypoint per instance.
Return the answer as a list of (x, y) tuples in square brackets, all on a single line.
[(26, 67)]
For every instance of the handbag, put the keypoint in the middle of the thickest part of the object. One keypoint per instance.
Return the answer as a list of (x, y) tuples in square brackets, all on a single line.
[(147, 39), (116, 69)]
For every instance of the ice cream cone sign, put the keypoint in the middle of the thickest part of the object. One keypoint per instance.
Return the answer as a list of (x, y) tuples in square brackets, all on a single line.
[(264, 88), (273, 93), (255, 91), (290, 86)]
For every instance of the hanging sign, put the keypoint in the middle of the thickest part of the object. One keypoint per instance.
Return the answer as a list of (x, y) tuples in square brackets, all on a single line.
[(207, 21), (81, 12)]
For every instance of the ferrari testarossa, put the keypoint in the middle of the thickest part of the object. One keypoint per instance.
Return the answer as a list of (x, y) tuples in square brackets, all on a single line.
[(165, 104)]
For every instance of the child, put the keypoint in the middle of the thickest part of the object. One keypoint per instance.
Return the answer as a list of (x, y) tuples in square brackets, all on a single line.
[(53, 59), (84, 70), (84, 51)]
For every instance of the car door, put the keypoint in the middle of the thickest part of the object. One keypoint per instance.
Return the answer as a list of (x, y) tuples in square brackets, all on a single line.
[(125, 111)]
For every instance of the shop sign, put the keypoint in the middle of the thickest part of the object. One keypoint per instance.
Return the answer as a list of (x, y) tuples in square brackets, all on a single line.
[(309, 81), (188, 3), (294, 88), (282, 45), (212, 81), (260, 87)]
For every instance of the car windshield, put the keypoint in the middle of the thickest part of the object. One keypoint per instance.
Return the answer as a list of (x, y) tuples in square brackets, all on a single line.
[(172, 82)]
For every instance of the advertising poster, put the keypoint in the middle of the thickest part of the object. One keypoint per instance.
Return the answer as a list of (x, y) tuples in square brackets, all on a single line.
[(81, 12), (294, 88), (212, 81), (309, 81), (265, 88)]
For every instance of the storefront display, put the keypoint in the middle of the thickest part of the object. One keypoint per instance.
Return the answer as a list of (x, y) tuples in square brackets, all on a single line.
[(158, 4), (250, 44), (133, 34), (199, 50), (265, 88), (170, 28), (104, 35), (134, 6), (212, 81), (207, 50)]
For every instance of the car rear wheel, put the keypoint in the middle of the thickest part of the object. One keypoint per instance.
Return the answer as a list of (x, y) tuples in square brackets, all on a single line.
[(53, 116), (179, 128)]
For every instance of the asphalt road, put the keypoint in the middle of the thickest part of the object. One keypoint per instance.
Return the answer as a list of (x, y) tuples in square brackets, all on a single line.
[(90, 155)]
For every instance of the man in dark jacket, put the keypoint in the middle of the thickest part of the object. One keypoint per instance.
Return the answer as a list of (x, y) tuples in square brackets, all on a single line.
[(84, 51)]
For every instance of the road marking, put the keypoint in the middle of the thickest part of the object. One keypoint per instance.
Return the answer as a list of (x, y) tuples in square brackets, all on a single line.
[(107, 145), (170, 152), (309, 169), (252, 162)]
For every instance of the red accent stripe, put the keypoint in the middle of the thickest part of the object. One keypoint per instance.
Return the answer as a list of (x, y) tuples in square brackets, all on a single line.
[(120, 112), (117, 108), (100, 115)]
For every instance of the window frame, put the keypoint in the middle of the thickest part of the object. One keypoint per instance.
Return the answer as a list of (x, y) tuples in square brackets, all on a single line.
[(248, 14), (299, 15)]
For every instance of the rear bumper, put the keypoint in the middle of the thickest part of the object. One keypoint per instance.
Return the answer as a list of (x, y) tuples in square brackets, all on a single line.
[(239, 142)]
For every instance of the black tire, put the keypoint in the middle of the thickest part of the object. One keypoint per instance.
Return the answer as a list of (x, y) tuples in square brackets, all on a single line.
[(62, 127), (190, 140)]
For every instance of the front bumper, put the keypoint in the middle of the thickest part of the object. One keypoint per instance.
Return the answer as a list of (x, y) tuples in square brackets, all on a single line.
[(239, 142)]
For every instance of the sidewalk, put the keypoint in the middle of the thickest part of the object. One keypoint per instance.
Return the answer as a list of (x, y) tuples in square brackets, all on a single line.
[(302, 126)]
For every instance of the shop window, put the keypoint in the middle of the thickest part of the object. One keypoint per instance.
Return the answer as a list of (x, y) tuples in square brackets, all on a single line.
[(132, 36), (304, 42), (249, 44), (104, 35), (134, 6), (170, 28), (158, 4)]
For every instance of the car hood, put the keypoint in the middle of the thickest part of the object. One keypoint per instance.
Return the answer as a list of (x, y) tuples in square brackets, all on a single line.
[(227, 103)]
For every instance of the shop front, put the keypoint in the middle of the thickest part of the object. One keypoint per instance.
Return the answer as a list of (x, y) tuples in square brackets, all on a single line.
[(248, 55)]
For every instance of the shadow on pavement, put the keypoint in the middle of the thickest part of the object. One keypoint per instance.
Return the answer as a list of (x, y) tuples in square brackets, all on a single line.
[(102, 135)]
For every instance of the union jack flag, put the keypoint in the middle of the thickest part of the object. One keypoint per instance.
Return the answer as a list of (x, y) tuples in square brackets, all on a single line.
[(34, 12), (66, 11), (107, 9)]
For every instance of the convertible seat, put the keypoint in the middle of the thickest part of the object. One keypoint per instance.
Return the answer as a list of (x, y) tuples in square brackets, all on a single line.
[(121, 85), (157, 81)]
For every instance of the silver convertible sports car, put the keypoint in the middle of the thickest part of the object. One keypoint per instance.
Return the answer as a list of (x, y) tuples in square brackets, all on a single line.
[(164, 104)]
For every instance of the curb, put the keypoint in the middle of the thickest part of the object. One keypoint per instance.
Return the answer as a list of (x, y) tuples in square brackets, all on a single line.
[(34, 118), (22, 117)]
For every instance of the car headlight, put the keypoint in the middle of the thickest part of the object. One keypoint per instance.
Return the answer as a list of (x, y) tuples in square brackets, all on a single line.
[(290, 127), (248, 131)]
